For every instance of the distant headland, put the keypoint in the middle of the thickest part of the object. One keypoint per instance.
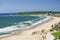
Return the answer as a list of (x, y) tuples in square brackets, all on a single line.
[(32, 13)]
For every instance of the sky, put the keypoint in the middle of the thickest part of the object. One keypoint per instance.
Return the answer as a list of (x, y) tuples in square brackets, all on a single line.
[(14, 6)]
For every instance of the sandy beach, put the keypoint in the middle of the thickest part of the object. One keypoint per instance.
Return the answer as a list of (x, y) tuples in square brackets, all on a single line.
[(27, 34)]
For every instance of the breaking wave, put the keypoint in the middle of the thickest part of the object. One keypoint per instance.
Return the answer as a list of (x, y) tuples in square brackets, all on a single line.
[(20, 26)]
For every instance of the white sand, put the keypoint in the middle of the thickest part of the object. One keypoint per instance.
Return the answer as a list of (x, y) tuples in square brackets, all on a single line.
[(27, 34)]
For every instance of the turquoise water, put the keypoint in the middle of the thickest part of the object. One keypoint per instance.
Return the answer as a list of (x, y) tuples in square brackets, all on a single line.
[(6, 21), (10, 23)]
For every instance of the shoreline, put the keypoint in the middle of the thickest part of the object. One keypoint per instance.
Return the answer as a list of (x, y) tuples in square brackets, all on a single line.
[(30, 27), (35, 29)]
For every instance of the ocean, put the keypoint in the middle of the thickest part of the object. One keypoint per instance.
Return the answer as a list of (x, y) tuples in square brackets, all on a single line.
[(8, 24)]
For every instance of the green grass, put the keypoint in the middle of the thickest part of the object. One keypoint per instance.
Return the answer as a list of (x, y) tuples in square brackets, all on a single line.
[(56, 34)]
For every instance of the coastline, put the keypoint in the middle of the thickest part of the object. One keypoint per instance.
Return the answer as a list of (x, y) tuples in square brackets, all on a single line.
[(29, 27), (38, 27)]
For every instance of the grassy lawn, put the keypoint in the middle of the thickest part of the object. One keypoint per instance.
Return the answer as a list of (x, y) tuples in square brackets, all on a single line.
[(56, 34)]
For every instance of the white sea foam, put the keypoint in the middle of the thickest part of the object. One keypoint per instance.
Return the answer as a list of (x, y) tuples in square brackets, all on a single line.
[(8, 29), (25, 24), (41, 21), (5, 35), (21, 25), (47, 18), (15, 27), (28, 22)]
